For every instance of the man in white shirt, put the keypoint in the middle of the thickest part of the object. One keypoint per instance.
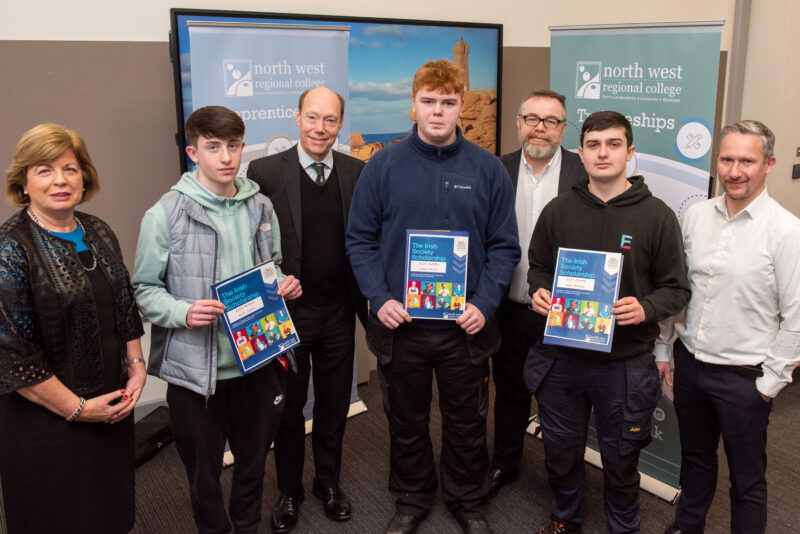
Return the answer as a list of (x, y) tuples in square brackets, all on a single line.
[(539, 171), (739, 338)]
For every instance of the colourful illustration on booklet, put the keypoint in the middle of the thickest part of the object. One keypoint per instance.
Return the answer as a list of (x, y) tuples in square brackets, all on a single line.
[(585, 286), (436, 273), (256, 319)]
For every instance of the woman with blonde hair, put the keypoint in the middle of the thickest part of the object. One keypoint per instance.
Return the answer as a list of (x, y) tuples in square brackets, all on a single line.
[(71, 366)]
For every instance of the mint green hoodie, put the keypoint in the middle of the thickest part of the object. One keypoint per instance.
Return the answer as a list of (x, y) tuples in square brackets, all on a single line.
[(231, 221)]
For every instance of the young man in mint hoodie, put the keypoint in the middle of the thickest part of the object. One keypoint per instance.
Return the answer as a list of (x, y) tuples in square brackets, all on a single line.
[(210, 226)]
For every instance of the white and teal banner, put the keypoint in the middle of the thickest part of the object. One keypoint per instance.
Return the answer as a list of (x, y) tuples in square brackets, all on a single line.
[(259, 70), (663, 78)]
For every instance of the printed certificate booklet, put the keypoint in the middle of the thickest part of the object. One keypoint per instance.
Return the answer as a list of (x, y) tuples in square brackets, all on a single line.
[(585, 286), (436, 273), (256, 319)]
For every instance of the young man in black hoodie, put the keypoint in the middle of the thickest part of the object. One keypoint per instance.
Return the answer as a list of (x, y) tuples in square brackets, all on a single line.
[(611, 213)]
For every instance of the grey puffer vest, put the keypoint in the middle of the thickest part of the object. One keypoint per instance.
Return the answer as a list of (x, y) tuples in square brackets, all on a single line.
[(187, 357)]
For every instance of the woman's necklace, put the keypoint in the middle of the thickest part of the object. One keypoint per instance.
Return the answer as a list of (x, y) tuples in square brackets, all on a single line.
[(83, 231)]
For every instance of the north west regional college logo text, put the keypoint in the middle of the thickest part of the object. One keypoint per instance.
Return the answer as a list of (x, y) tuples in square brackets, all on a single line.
[(238, 77), (588, 79)]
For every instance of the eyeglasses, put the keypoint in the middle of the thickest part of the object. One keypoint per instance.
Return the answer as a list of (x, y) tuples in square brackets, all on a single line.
[(533, 121), (330, 122)]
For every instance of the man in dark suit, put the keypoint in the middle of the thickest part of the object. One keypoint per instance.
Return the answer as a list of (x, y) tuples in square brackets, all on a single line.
[(540, 171), (310, 187)]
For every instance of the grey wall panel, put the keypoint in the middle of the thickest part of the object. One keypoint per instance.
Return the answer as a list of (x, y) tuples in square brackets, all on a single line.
[(525, 69), (119, 96)]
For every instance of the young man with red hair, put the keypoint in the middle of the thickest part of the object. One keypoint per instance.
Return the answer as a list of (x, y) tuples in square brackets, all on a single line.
[(434, 179)]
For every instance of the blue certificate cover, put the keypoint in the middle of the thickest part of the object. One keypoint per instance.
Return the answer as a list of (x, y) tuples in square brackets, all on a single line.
[(436, 273), (256, 319), (585, 286)]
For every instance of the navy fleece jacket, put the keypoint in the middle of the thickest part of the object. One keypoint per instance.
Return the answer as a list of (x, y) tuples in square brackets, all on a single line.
[(413, 185)]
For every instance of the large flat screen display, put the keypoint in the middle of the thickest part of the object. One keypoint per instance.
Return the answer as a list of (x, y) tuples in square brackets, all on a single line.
[(258, 64)]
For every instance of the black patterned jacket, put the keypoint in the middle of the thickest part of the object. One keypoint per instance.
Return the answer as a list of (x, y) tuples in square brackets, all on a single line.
[(49, 322)]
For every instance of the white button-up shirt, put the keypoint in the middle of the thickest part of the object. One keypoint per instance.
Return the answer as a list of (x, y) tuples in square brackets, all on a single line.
[(533, 194), (744, 273)]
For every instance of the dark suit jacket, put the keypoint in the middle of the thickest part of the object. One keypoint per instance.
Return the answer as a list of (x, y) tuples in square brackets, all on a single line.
[(278, 177), (572, 169)]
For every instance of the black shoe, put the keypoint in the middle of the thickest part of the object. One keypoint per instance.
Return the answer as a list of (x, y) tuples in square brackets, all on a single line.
[(476, 525), (556, 527), (673, 529), (499, 477), (404, 523), (285, 513), (337, 505)]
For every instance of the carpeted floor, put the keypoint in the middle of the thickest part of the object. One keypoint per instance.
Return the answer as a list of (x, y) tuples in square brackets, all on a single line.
[(163, 505)]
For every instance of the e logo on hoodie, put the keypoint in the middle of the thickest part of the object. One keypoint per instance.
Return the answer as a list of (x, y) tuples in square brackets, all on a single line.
[(626, 241)]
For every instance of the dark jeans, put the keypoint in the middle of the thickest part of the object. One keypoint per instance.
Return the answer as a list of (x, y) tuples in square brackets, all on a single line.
[(245, 411), (520, 327), (713, 401), (327, 346), (623, 395), (406, 382)]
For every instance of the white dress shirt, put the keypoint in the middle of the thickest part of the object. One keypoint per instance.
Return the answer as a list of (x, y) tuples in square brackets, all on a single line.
[(307, 162), (744, 273), (533, 194)]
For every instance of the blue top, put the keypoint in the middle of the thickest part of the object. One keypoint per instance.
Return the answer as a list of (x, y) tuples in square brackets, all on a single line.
[(75, 236), (414, 185)]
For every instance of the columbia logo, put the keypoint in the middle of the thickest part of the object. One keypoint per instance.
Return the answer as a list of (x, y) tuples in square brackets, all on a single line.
[(459, 186)]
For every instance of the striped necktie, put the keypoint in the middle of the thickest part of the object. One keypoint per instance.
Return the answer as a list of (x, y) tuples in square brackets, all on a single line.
[(320, 168)]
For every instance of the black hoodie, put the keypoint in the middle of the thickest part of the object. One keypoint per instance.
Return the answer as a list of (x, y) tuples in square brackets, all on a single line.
[(653, 269)]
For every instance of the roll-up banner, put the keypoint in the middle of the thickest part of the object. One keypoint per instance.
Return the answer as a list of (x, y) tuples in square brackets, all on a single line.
[(259, 70), (663, 78)]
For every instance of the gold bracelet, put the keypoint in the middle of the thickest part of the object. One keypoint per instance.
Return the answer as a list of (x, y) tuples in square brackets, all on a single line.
[(128, 363)]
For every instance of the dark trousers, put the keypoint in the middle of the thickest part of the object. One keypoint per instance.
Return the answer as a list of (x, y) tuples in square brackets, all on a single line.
[(623, 395), (713, 401), (520, 328), (245, 411), (327, 346), (406, 384)]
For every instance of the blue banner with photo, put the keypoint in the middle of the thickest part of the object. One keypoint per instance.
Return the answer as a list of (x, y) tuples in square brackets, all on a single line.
[(260, 70), (382, 57)]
